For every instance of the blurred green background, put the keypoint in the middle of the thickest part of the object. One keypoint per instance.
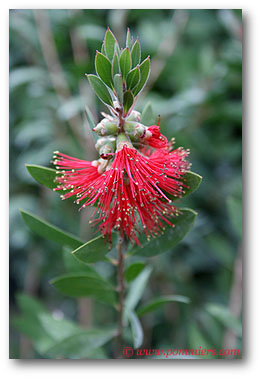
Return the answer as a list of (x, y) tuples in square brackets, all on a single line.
[(195, 85)]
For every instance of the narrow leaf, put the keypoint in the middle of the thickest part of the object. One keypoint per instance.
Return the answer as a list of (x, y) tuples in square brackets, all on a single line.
[(225, 317), (91, 123), (136, 53), (128, 39), (103, 68), (94, 250), (158, 302), (82, 285), (100, 89), (133, 78), (109, 44), (125, 62), (137, 330), (118, 86), (145, 72), (50, 232), (137, 288), (42, 175), (115, 66), (170, 238), (128, 100)]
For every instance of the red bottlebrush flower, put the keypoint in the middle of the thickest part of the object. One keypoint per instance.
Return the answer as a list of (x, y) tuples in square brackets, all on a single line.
[(130, 193), (154, 138)]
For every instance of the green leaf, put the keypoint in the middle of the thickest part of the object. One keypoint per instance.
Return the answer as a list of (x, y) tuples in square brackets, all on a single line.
[(137, 288), (225, 317), (58, 329), (104, 69), (129, 39), (82, 345), (28, 305), (94, 250), (133, 78), (158, 302), (72, 264), (145, 72), (192, 180), (91, 122), (118, 86), (109, 44), (115, 66), (125, 62), (50, 232), (100, 89), (147, 117), (83, 285), (137, 330), (128, 100), (136, 53), (103, 51), (170, 238), (133, 271), (42, 175)]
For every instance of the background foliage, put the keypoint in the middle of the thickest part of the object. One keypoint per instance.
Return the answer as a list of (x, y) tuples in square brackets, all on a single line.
[(195, 85)]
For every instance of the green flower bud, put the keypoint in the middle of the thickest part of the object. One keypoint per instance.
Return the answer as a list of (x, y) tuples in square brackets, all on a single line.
[(134, 116), (106, 127), (135, 130)]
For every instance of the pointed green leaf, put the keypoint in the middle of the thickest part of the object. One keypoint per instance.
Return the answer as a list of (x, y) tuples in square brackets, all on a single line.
[(225, 317), (103, 68), (125, 62), (137, 330), (72, 264), (192, 180), (133, 78), (109, 44), (91, 122), (158, 302), (145, 72), (83, 285), (136, 53), (133, 271), (129, 39), (170, 237), (147, 117), (103, 51), (100, 89), (50, 232), (118, 86), (94, 250), (42, 175), (115, 66), (128, 100)]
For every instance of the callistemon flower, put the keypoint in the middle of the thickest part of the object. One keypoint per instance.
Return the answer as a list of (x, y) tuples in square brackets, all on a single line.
[(130, 190), (154, 138)]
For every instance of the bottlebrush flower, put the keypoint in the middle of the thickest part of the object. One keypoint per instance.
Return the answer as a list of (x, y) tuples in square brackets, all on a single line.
[(130, 190), (154, 138)]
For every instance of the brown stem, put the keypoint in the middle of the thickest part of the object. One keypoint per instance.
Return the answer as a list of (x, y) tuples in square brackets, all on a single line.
[(121, 289)]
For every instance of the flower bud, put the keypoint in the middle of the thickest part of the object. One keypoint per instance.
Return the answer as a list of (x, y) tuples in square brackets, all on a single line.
[(106, 127), (135, 130), (121, 141), (135, 116)]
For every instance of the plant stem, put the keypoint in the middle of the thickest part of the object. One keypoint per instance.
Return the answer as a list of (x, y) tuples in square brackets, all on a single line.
[(121, 289)]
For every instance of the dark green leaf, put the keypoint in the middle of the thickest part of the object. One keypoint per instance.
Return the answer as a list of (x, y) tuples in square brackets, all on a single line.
[(94, 250), (136, 53), (145, 71), (192, 180), (83, 285), (158, 302), (103, 68), (43, 175), (147, 117), (128, 100), (118, 86), (109, 44), (137, 330), (133, 271), (100, 89), (115, 66), (133, 78), (50, 232), (170, 238), (125, 62), (72, 264)]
